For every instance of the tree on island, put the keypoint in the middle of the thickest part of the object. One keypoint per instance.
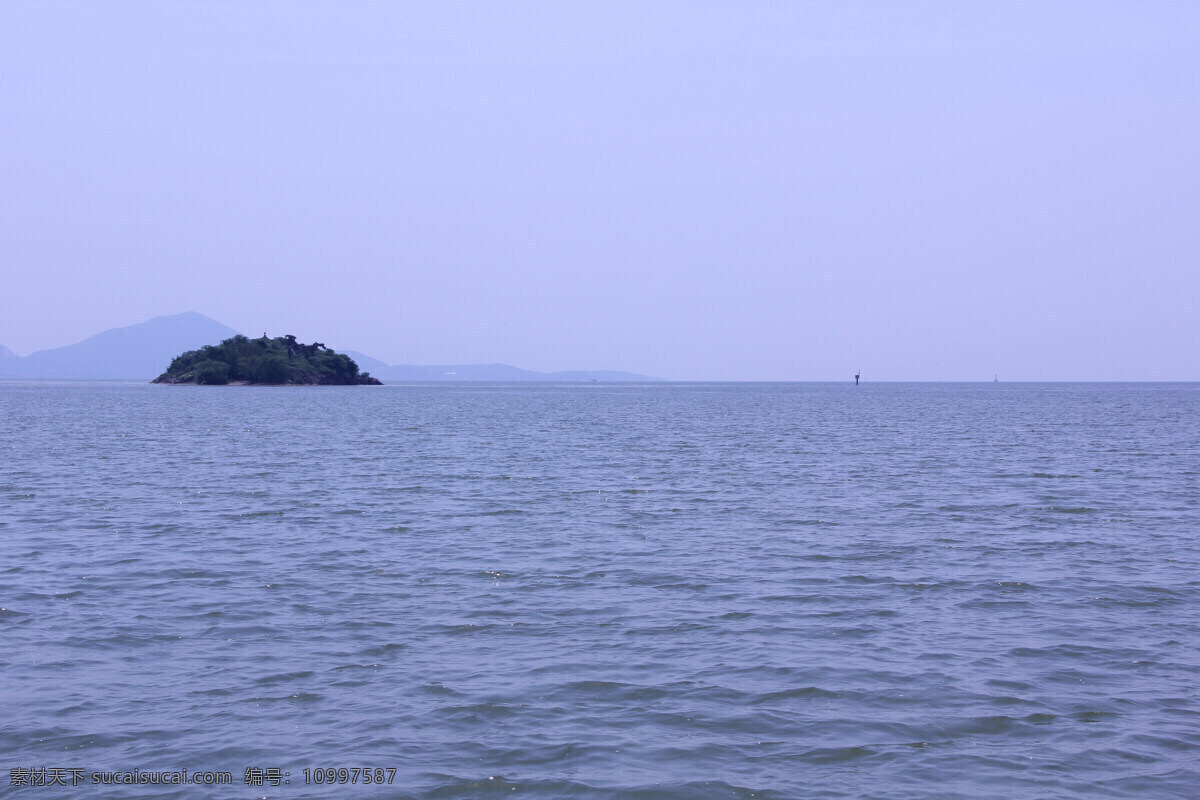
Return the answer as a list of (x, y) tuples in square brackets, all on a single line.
[(278, 361)]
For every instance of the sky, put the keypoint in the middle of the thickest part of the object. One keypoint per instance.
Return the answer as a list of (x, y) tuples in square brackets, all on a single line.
[(691, 190)]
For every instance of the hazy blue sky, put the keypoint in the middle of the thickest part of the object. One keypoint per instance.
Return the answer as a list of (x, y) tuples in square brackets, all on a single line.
[(694, 190)]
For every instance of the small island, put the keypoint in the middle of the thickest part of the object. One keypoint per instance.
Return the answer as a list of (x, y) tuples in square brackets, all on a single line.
[(281, 361)]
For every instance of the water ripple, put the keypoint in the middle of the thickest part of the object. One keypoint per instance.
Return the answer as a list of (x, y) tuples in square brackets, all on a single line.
[(685, 591)]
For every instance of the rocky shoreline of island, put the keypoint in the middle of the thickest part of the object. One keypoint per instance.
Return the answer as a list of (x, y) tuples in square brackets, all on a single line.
[(279, 361)]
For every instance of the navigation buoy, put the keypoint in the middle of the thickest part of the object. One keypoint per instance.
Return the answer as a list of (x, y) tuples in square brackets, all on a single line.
[(856, 375)]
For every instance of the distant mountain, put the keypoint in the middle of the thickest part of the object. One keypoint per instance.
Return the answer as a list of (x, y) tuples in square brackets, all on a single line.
[(366, 363), (144, 350), (454, 373), (139, 351)]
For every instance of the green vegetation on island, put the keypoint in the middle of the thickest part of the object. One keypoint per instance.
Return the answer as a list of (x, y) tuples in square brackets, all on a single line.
[(271, 362)]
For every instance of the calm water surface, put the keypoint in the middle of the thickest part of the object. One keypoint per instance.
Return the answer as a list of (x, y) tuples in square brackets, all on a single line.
[(679, 591)]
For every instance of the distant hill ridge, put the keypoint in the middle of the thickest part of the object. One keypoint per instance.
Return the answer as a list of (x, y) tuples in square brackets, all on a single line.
[(142, 351), (138, 351), (453, 373)]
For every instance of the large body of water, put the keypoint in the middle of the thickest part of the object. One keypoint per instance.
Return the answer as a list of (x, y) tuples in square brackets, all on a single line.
[(667, 591)]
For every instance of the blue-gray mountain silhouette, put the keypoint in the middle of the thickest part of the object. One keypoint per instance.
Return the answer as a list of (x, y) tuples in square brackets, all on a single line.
[(454, 373), (138, 351), (144, 350)]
